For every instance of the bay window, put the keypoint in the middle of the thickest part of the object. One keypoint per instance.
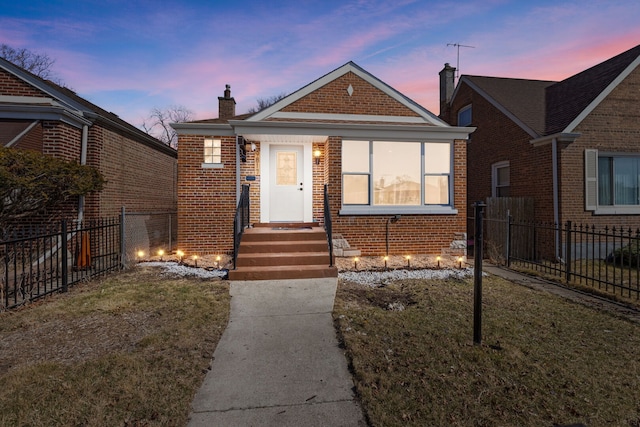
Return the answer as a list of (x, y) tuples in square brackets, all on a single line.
[(396, 177)]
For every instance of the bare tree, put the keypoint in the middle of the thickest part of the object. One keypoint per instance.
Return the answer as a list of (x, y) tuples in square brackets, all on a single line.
[(37, 63), (266, 102), (158, 124)]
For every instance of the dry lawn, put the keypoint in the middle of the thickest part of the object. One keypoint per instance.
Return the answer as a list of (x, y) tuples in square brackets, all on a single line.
[(129, 350), (544, 361)]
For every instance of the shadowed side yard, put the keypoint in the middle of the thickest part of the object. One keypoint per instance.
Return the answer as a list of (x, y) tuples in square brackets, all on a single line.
[(543, 360), (128, 350)]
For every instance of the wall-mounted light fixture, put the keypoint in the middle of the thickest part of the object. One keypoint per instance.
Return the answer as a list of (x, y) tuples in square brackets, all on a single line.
[(316, 156), (253, 146)]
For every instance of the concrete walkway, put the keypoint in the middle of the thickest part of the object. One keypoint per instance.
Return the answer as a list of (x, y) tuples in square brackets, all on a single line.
[(278, 362)]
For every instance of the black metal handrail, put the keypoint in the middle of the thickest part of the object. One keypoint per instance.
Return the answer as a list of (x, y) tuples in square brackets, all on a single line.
[(327, 223), (240, 221)]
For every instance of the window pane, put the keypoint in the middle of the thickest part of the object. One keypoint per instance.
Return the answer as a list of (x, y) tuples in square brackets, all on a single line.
[(626, 180), (355, 189), (355, 156), (464, 116), (605, 195), (396, 173), (436, 190), (503, 176), (437, 157)]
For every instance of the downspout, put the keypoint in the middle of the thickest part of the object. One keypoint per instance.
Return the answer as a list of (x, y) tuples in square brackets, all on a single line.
[(556, 209), (83, 161)]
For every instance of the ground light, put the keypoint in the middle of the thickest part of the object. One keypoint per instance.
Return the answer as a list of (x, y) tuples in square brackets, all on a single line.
[(408, 258), (355, 262), (386, 258), (160, 253), (140, 255), (438, 260), (195, 260), (218, 258), (460, 261), (180, 254)]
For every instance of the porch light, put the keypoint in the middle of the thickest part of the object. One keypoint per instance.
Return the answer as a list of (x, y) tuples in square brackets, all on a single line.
[(180, 254), (408, 258), (355, 262), (160, 253), (438, 259), (316, 156)]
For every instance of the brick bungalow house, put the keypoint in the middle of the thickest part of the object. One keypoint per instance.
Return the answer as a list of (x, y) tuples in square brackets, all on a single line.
[(388, 165), (40, 115), (572, 146)]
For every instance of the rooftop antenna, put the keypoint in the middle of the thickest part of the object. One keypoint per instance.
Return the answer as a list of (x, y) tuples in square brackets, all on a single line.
[(458, 46)]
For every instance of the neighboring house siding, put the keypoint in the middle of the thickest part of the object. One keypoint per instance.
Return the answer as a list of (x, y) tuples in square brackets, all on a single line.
[(612, 127), (499, 139), (206, 197), (138, 177), (13, 86)]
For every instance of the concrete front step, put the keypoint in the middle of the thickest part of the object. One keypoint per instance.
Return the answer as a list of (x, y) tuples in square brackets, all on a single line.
[(265, 234), (283, 251), (284, 246), (282, 258), (283, 272)]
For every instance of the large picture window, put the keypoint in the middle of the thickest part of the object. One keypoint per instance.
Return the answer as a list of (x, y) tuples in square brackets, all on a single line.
[(386, 175), (612, 183)]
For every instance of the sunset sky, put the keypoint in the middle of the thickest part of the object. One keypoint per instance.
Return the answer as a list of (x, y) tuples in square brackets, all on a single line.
[(130, 56)]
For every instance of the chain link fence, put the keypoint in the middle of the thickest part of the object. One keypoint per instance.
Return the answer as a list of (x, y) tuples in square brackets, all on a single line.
[(147, 233)]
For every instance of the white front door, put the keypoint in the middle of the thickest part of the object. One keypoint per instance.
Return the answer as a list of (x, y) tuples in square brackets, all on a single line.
[(286, 183)]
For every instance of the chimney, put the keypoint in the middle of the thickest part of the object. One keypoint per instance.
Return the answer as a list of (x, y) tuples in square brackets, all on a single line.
[(226, 104), (447, 85)]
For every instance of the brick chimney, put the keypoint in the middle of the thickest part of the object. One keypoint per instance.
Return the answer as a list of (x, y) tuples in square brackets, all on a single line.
[(226, 104), (447, 86)]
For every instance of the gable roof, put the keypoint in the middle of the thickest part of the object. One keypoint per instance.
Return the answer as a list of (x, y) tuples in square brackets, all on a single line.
[(521, 100), (571, 99), (423, 115), (63, 104), (543, 107)]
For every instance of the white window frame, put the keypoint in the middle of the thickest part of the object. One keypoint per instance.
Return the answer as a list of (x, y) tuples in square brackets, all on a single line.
[(371, 209), (461, 112), (591, 157), (212, 164), (494, 176)]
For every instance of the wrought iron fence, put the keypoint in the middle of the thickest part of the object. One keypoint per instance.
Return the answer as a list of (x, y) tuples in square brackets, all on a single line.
[(606, 258), (57, 258)]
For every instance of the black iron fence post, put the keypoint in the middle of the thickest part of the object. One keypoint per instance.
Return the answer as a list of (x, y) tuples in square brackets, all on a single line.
[(507, 254), (568, 252), (63, 248), (477, 274)]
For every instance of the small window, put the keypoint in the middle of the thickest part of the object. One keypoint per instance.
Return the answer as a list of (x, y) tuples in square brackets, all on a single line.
[(500, 179), (212, 151), (464, 116)]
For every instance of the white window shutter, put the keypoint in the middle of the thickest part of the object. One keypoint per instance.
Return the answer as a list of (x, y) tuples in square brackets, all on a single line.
[(590, 179)]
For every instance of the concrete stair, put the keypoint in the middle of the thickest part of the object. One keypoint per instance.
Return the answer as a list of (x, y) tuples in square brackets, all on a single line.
[(283, 251)]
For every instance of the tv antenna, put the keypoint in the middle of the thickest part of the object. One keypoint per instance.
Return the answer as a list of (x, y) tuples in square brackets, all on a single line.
[(458, 46)]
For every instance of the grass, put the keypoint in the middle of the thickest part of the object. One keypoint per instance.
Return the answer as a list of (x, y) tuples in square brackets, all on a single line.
[(543, 361), (129, 350)]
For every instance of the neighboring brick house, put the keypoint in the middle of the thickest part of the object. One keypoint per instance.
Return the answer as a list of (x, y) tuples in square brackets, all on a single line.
[(140, 171), (572, 146), (380, 154)]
